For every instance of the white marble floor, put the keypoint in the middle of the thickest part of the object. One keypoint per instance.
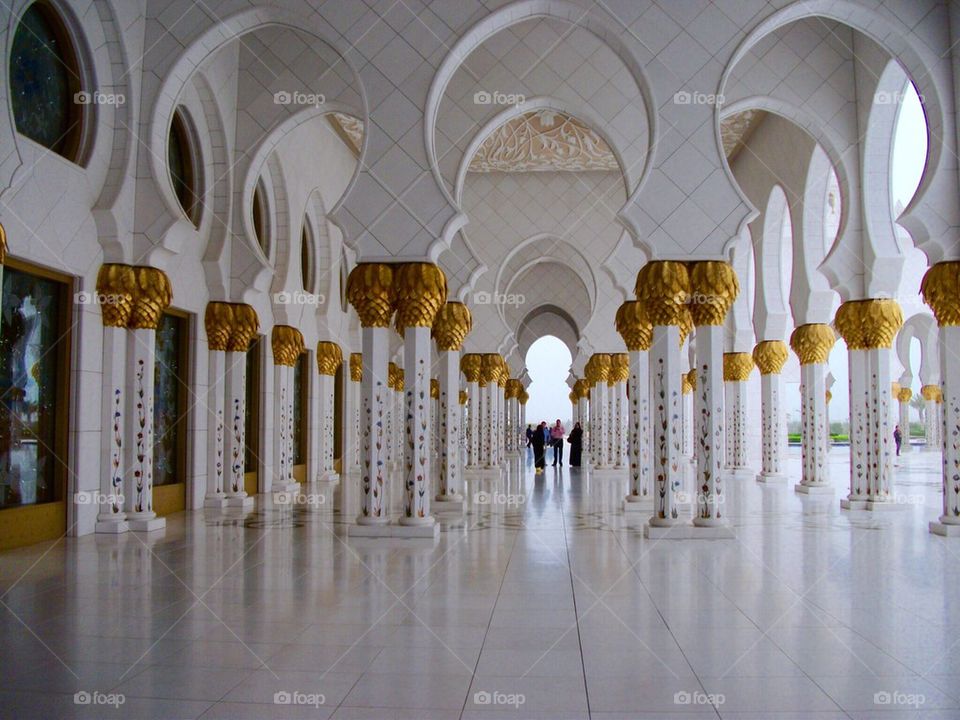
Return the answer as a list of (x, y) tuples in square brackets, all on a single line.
[(553, 608)]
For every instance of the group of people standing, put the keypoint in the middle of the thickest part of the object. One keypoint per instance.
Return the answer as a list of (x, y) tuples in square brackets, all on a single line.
[(544, 436)]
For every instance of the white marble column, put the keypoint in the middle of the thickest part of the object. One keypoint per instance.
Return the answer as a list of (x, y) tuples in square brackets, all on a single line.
[(111, 516), (709, 431), (583, 411), (687, 389), (903, 400), (812, 342), (665, 421), (451, 478), (931, 418), (287, 345), (329, 359), (417, 455), (640, 490), (939, 290), (375, 401), (473, 412), (736, 371), (868, 327), (138, 457), (353, 433), (770, 357)]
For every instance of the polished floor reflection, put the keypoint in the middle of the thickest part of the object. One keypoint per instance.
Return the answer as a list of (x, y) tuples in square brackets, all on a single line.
[(543, 601)]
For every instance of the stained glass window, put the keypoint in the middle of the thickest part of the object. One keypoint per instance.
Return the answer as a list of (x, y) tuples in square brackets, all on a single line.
[(184, 174), (306, 255), (261, 214), (251, 422), (170, 381), (32, 398), (45, 82), (299, 407)]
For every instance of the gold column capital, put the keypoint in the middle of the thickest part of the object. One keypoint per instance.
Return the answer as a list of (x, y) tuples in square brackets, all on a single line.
[(470, 365), (329, 357), (489, 369), (400, 380), (869, 324), (513, 388), (151, 296), (634, 326), (420, 289), (713, 288), (663, 286), (245, 326), (770, 356), (904, 395), (370, 291), (692, 378), (356, 367), (392, 375), (524, 396), (685, 387), (116, 286), (940, 289), (287, 344), (435, 388), (828, 396), (931, 392), (737, 366), (218, 322), (619, 368), (452, 325), (463, 397), (812, 342), (3, 244)]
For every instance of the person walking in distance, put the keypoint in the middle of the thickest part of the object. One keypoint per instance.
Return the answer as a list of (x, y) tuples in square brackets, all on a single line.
[(556, 439), (537, 440)]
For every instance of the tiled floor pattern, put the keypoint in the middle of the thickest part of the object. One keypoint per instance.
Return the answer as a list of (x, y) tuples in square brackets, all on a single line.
[(553, 608)]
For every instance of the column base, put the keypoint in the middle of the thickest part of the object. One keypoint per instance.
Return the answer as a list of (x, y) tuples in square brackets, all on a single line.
[(483, 473), (215, 502), (394, 530), (813, 489), (638, 503), (148, 522), (683, 531), (291, 487), (242, 501), (873, 505), (607, 472), (449, 502), (772, 478), (739, 473), (112, 527), (944, 529), (327, 478)]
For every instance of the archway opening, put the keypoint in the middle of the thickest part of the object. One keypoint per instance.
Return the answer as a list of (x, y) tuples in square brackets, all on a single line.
[(548, 364)]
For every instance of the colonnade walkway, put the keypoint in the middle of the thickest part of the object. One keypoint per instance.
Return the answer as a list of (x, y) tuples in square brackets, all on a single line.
[(542, 600)]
